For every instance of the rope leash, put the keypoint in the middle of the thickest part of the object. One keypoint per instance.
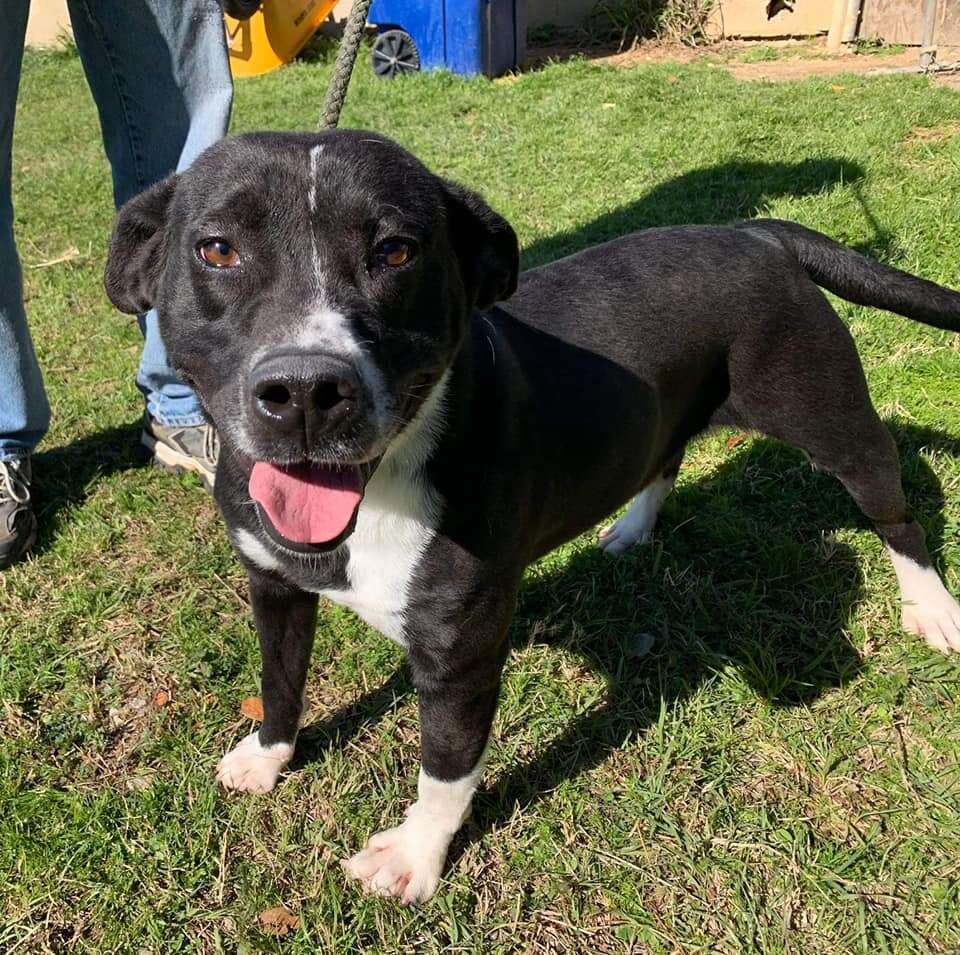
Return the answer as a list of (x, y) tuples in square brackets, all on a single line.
[(343, 67)]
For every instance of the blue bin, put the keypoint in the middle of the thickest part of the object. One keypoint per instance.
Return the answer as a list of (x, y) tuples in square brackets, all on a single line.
[(464, 36)]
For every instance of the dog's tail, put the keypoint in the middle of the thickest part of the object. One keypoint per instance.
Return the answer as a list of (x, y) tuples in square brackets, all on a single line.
[(861, 280)]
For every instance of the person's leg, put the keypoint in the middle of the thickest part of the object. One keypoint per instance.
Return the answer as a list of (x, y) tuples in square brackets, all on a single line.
[(160, 75), (24, 411)]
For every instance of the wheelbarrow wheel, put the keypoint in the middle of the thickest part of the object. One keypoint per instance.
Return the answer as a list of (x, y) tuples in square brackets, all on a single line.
[(240, 9), (394, 54)]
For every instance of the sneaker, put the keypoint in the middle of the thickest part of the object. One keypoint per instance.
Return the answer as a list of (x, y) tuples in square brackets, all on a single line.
[(18, 523), (193, 447)]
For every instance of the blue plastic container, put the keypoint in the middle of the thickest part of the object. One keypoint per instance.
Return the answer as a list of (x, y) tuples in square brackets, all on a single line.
[(464, 36)]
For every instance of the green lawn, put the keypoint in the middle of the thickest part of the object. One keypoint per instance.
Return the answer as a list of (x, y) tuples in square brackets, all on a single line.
[(779, 773)]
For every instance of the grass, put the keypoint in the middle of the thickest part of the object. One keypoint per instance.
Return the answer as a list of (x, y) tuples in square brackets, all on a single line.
[(777, 773), (763, 53), (876, 46), (813, 50)]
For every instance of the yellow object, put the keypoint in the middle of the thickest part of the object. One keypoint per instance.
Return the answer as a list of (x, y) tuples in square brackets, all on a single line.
[(274, 35)]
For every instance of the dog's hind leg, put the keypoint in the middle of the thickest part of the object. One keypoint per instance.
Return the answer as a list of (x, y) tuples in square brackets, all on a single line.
[(928, 609), (810, 391), (636, 525)]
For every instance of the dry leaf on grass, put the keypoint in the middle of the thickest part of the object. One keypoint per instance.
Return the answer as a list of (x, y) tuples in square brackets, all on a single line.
[(735, 439), (161, 698), (278, 921), (252, 708)]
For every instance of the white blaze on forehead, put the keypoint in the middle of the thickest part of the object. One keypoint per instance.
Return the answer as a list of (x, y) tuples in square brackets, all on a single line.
[(312, 191), (326, 329), (312, 202)]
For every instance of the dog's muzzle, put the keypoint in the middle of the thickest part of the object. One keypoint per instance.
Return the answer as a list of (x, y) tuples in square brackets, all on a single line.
[(301, 401), (303, 393)]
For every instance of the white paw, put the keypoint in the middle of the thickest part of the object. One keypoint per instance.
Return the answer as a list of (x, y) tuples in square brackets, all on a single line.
[(928, 609), (624, 533), (252, 768), (936, 619), (404, 862), (637, 524)]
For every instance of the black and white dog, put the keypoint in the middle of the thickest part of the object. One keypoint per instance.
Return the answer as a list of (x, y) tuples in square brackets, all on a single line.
[(395, 441)]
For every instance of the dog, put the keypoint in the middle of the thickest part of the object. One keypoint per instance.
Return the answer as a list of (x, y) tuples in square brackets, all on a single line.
[(397, 441)]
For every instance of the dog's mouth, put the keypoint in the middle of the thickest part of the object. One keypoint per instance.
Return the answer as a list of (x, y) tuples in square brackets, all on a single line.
[(307, 507)]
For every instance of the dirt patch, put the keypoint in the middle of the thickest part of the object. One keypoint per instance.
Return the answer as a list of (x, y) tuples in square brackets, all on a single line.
[(770, 60), (951, 80), (925, 134), (798, 67), (649, 51)]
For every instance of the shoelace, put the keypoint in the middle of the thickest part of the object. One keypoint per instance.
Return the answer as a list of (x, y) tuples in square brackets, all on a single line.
[(211, 444), (12, 485)]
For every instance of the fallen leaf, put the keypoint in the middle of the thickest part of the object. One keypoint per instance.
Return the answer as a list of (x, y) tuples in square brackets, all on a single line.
[(735, 439), (608, 105), (141, 780), (837, 89), (278, 921), (672, 78), (252, 708), (161, 698)]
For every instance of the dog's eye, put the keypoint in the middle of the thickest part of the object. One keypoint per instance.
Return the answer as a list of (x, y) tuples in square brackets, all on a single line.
[(394, 252), (219, 253)]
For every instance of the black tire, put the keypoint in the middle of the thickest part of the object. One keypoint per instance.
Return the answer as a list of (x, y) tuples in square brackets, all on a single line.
[(394, 54), (240, 9)]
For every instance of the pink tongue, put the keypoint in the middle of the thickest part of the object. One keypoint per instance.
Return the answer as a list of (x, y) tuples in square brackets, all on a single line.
[(307, 503)]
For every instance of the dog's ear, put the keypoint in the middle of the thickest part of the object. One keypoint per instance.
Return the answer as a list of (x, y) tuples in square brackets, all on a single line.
[(135, 259), (486, 246)]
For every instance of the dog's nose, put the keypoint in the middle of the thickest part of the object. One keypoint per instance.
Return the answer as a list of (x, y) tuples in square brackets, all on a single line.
[(301, 391)]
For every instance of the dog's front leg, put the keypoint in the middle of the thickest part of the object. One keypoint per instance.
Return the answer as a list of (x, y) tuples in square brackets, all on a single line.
[(457, 704), (285, 619)]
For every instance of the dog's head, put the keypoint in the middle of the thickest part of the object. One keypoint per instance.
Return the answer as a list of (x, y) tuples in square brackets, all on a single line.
[(313, 289)]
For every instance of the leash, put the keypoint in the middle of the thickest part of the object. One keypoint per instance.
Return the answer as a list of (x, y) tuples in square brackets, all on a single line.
[(343, 67)]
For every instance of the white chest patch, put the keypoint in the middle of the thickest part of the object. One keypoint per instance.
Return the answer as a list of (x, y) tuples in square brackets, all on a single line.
[(395, 524)]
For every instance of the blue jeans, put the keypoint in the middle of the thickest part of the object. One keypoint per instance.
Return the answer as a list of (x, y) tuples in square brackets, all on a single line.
[(159, 74)]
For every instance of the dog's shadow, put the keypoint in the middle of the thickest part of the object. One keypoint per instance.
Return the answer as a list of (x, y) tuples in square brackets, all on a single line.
[(714, 195), (743, 572)]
